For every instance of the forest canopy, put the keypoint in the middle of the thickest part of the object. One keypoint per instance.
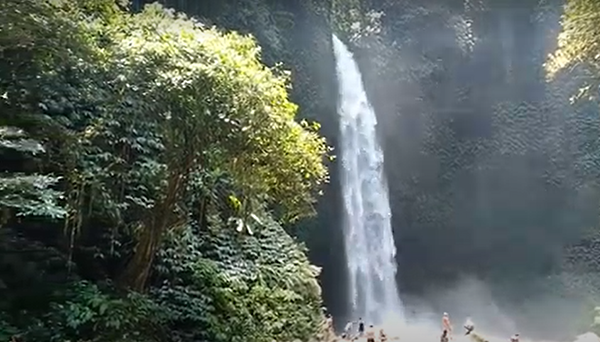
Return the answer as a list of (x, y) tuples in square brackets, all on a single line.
[(125, 137)]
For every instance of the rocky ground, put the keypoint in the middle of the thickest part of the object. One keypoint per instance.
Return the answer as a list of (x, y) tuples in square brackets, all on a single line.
[(417, 334)]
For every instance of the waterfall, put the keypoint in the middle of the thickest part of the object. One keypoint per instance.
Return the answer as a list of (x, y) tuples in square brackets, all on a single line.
[(369, 244)]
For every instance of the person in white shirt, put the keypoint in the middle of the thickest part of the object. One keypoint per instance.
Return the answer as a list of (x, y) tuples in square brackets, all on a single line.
[(348, 328), (469, 326)]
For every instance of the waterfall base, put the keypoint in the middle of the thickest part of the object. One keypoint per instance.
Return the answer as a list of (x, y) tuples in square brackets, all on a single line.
[(427, 331)]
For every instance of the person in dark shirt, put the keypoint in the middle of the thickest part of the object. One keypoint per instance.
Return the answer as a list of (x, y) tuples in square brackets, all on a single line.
[(444, 337), (361, 327)]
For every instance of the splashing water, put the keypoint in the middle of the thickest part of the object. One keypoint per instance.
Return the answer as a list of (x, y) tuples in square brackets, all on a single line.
[(369, 244)]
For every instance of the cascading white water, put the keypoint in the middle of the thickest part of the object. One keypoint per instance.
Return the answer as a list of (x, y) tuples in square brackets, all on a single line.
[(369, 244)]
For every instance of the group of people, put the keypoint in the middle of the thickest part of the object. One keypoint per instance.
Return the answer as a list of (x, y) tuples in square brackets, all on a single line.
[(469, 327), (355, 330)]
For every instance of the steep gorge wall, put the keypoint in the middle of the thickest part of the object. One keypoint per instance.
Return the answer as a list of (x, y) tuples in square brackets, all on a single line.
[(491, 168)]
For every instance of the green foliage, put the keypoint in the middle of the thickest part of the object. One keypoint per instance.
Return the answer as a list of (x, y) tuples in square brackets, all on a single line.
[(42, 302), (30, 195), (238, 287), (27, 194), (243, 105), (82, 311), (578, 43), (7, 331), (123, 127), (149, 99)]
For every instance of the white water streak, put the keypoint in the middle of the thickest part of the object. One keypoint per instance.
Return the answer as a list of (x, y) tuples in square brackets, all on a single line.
[(370, 249)]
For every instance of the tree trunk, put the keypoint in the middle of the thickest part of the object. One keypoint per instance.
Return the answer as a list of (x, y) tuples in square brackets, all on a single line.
[(138, 269)]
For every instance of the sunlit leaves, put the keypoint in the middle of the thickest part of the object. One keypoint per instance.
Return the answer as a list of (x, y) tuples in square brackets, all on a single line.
[(15, 139), (579, 43), (31, 195), (219, 96), (27, 194), (144, 100), (151, 122), (147, 117)]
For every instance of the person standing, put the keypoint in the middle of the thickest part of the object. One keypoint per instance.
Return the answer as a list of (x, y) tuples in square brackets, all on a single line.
[(469, 326), (446, 325), (361, 327), (382, 335), (370, 334), (348, 328)]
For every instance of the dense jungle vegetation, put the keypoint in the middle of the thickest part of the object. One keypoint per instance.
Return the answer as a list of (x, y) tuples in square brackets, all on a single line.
[(149, 164), (160, 176)]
